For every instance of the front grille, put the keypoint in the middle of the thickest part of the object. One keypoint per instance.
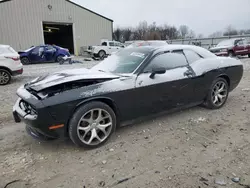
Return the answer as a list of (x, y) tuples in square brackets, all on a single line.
[(215, 51), (27, 108)]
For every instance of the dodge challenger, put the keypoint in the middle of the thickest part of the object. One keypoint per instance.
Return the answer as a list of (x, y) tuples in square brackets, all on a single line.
[(87, 105)]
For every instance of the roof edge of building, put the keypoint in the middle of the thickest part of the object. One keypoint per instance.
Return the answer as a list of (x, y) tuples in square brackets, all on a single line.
[(87, 10), (3, 1)]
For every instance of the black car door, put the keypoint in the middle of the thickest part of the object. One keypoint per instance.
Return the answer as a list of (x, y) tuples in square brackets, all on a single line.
[(166, 91)]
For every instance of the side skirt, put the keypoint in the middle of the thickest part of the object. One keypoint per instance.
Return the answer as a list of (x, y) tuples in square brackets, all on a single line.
[(146, 118)]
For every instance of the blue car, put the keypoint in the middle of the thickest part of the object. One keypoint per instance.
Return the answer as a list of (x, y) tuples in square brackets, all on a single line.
[(43, 53)]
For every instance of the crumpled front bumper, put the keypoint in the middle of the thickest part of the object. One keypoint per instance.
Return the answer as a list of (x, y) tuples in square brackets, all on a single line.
[(39, 121)]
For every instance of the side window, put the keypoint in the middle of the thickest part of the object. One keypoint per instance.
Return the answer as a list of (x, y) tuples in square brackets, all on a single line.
[(111, 44), (168, 61), (104, 44), (116, 44), (36, 50), (191, 56), (245, 42), (240, 42)]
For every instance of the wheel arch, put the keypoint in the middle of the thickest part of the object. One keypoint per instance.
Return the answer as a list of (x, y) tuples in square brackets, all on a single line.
[(106, 100), (7, 69), (226, 77)]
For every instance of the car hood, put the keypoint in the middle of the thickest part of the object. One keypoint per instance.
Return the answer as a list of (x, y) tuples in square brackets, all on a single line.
[(67, 76), (220, 47)]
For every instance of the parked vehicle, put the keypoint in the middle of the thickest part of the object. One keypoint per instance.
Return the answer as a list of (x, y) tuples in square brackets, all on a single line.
[(88, 104), (106, 48), (10, 64), (43, 53), (147, 43), (232, 47)]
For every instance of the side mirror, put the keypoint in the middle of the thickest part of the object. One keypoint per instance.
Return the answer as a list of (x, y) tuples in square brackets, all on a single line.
[(159, 70)]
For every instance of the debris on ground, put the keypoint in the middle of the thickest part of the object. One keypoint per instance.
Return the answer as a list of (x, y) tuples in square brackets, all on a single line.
[(104, 162), (236, 179), (220, 181), (245, 181), (101, 184), (246, 89)]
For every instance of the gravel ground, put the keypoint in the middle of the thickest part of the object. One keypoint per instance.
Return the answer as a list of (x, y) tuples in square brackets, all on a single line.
[(192, 148)]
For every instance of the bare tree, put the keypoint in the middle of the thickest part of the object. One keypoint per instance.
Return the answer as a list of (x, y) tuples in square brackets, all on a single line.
[(191, 34), (117, 34), (200, 36), (142, 29), (216, 34), (230, 31), (127, 34), (183, 30)]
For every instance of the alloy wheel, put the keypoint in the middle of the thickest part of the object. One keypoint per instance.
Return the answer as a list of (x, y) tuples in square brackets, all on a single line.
[(219, 93), (94, 126), (4, 77)]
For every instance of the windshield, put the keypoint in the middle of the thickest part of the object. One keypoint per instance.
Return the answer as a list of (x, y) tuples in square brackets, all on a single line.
[(124, 61), (226, 43)]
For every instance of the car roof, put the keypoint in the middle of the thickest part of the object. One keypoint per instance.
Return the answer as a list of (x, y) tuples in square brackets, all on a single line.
[(202, 51)]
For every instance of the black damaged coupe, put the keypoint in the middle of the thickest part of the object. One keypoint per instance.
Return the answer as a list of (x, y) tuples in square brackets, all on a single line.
[(89, 104)]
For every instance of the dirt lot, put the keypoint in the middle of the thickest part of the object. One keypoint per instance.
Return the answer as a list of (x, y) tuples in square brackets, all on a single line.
[(189, 149)]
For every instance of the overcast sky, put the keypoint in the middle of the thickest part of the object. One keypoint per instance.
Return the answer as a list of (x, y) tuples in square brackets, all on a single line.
[(203, 16)]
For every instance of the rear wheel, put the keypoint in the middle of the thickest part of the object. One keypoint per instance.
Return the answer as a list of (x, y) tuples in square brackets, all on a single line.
[(217, 94), (5, 77), (92, 125), (59, 58), (249, 55), (25, 60), (101, 54)]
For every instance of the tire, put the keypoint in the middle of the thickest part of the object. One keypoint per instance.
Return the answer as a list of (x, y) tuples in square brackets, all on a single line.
[(85, 131), (214, 93), (249, 55), (5, 77), (25, 61), (59, 58), (101, 54), (231, 54)]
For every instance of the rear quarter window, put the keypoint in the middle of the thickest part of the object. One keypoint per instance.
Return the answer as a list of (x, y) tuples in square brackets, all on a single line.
[(191, 56)]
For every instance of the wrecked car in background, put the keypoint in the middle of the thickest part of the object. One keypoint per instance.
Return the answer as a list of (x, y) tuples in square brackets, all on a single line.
[(232, 47), (43, 53), (88, 104)]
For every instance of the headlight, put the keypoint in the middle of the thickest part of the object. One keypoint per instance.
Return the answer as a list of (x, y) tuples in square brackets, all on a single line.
[(223, 50)]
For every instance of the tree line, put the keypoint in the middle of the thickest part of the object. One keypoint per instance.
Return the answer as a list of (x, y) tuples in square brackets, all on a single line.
[(145, 31)]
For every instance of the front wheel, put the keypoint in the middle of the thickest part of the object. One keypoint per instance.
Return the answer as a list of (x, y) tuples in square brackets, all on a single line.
[(217, 94), (5, 77), (249, 55), (231, 54), (92, 125)]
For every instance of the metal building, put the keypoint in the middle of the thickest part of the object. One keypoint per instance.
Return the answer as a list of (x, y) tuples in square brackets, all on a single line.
[(26, 23)]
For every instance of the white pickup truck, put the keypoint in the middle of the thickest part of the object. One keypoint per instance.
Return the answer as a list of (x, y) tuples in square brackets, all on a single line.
[(106, 48)]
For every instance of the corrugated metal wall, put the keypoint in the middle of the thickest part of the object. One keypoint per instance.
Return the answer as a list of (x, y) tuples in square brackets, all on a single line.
[(21, 23)]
